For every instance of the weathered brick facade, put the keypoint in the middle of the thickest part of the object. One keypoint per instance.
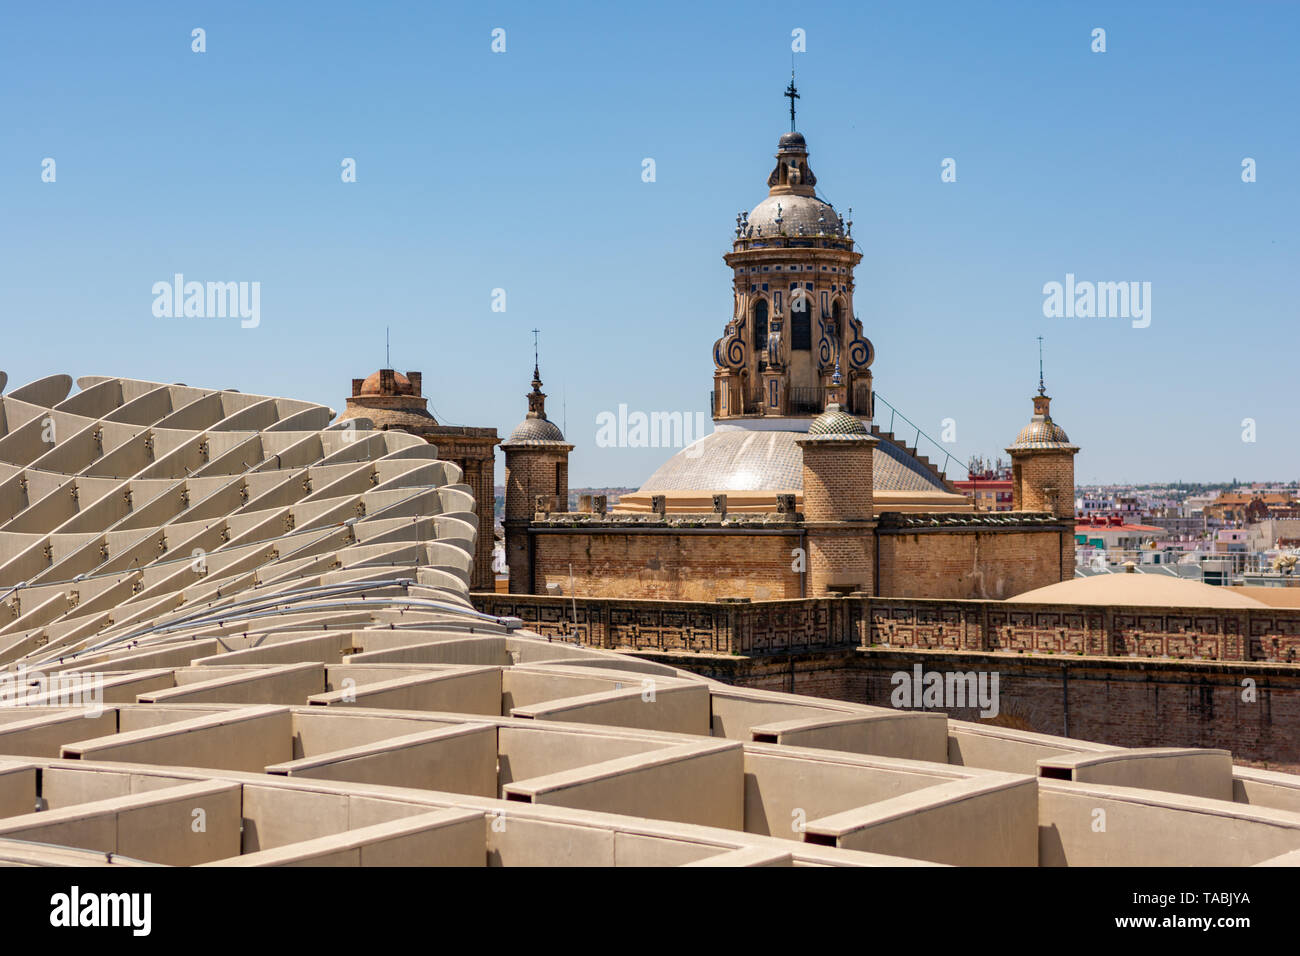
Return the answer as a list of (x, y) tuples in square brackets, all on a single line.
[(530, 472), (838, 515), (992, 563), (1043, 482), (683, 564), (771, 556)]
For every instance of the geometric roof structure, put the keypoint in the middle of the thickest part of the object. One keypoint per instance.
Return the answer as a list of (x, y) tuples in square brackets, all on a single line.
[(231, 634)]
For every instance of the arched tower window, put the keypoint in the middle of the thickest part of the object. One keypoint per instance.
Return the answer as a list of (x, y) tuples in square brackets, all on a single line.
[(760, 326), (837, 311), (801, 323)]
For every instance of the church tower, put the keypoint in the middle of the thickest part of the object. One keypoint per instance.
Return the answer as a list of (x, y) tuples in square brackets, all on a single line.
[(792, 327), (537, 465)]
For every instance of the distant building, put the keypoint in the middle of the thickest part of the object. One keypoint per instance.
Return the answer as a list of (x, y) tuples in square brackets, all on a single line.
[(988, 488), (1114, 534), (392, 401), (1251, 507)]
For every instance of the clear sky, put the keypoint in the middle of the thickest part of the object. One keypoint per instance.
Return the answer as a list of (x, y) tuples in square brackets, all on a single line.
[(522, 171)]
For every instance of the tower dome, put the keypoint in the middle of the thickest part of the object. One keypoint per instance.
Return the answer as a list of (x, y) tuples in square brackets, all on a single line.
[(793, 321), (793, 215), (533, 430), (536, 428), (837, 423), (1042, 432)]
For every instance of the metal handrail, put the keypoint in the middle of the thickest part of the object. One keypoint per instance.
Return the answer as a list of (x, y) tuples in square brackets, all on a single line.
[(894, 414)]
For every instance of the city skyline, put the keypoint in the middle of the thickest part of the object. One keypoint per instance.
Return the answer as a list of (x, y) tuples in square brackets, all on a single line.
[(479, 170)]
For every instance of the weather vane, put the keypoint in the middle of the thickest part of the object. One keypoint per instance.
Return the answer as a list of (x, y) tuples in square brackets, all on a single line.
[(794, 95), (1042, 389), (536, 362)]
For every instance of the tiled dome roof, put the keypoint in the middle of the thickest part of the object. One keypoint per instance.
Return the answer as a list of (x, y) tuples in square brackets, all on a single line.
[(741, 459), (836, 421), (1042, 434), (535, 430)]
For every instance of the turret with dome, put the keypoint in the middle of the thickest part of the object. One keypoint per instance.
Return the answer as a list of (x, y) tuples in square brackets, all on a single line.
[(537, 466), (1042, 460)]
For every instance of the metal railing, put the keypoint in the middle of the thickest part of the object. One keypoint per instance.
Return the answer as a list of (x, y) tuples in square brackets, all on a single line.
[(811, 400), (895, 417), (807, 400)]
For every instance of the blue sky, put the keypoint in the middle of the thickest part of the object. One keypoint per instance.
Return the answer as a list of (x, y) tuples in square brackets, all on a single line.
[(522, 171)]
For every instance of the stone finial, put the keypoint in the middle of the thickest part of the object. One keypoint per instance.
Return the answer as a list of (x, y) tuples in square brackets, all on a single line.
[(599, 504), (720, 505), (785, 504), (659, 504), (584, 503)]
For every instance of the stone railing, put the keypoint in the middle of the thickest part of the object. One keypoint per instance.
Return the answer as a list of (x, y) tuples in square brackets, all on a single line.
[(706, 627), (801, 626)]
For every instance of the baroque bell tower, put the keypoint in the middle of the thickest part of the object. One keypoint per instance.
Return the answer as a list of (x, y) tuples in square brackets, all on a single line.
[(793, 335)]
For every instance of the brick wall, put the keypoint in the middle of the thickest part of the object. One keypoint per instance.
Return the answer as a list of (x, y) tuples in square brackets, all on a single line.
[(972, 564), (1043, 481), (668, 566), (837, 509), (529, 472), (836, 480)]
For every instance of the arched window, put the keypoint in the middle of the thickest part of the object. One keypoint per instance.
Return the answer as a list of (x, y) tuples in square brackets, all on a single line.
[(836, 312), (760, 326), (801, 323)]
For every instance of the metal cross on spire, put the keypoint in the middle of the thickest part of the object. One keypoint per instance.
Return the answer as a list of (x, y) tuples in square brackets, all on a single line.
[(388, 352), (536, 362), (1042, 389), (794, 95)]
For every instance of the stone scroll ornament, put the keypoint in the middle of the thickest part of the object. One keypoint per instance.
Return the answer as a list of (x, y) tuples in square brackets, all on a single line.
[(825, 348), (861, 351), (729, 351)]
